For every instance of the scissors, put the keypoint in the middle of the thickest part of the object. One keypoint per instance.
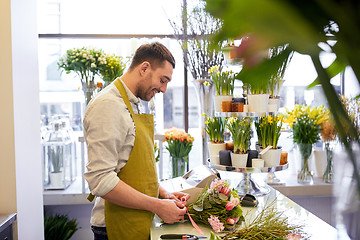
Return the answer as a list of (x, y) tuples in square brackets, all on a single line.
[(180, 236)]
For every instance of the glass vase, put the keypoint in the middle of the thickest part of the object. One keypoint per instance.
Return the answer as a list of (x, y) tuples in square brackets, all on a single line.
[(347, 194), (89, 90), (305, 176), (328, 174), (178, 166)]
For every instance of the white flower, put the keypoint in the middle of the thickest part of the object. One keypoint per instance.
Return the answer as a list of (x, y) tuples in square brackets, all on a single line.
[(93, 65)]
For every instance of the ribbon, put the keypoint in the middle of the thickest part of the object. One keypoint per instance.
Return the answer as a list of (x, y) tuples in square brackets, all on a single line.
[(183, 199)]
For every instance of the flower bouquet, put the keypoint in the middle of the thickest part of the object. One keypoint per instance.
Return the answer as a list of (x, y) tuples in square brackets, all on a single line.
[(179, 145), (218, 206), (305, 122), (240, 132), (86, 63)]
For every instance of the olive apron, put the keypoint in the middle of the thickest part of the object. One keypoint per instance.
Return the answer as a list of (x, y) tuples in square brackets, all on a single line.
[(140, 173)]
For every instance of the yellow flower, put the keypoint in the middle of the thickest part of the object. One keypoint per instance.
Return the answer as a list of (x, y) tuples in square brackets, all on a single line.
[(207, 83)]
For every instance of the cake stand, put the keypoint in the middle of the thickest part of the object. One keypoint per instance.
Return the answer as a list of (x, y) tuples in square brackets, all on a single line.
[(248, 185)]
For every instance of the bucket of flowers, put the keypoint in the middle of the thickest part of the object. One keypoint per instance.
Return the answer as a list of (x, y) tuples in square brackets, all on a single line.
[(179, 146), (218, 206)]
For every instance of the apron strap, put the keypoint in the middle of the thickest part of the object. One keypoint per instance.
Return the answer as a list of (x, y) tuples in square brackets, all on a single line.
[(122, 91)]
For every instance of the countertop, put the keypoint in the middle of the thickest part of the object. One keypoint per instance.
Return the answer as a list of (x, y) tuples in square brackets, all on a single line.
[(313, 226)]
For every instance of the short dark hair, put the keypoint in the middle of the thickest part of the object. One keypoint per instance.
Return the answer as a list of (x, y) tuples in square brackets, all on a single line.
[(155, 53)]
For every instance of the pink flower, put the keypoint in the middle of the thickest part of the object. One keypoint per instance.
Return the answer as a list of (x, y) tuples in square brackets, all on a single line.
[(230, 221), (293, 236), (236, 219), (225, 191), (234, 200), (216, 224), (229, 205), (217, 184)]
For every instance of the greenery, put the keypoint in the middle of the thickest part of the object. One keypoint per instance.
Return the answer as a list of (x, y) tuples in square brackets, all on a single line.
[(113, 68), (179, 143), (240, 132), (270, 223), (309, 27), (215, 127), (305, 122), (56, 155), (59, 227), (223, 80), (268, 130), (217, 206), (194, 33)]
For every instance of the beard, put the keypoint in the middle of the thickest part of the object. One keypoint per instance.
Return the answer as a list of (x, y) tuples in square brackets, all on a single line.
[(144, 89)]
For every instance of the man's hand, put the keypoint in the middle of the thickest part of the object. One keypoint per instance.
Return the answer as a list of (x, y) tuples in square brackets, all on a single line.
[(171, 211)]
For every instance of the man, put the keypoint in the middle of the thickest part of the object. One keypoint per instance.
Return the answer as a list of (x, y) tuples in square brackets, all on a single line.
[(121, 168)]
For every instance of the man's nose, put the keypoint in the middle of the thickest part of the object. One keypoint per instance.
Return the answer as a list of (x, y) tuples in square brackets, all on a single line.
[(163, 88)]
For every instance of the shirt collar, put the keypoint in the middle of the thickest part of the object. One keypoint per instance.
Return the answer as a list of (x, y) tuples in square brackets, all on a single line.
[(131, 96)]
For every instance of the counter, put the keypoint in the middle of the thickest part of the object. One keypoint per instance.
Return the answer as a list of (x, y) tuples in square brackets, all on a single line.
[(313, 226), (6, 222)]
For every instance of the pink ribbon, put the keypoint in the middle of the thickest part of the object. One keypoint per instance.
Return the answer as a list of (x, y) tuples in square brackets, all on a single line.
[(183, 199)]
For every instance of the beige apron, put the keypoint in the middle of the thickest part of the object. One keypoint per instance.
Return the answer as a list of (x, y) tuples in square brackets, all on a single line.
[(140, 173)]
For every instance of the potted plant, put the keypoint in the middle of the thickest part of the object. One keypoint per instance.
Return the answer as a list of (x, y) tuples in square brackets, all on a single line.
[(268, 129), (277, 79), (59, 227), (305, 122), (179, 146), (224, 87), (240, 132), (215, 127)]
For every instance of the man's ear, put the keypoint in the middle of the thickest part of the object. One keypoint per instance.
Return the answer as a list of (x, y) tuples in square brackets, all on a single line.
[(144, 66)]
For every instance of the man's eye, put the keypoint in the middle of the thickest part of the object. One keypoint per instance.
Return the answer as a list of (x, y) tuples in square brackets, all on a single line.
[(162, 81)]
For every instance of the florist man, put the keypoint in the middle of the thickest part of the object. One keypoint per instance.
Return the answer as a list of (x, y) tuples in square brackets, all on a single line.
[(121, 168)]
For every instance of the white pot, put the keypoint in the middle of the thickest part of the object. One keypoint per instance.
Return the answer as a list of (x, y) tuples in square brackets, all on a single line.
[(320, 162), (258, 102), (246, 108), (274, 105), (257, 163), (239, 160), (271, 157), (56, 179), (219, 99), (214, 149)]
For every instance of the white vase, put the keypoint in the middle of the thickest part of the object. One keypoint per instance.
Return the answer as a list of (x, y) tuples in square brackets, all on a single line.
[(57, 180), (274, 104), (219, 99), (258, 102), (271, 157), (320, 162), (239, 160), (214, 149)]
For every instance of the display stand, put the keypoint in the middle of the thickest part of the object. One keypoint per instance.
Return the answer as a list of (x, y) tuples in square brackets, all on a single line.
[(248, 185)]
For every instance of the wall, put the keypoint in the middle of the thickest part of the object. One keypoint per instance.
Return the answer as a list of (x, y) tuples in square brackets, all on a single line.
[(20, 170)]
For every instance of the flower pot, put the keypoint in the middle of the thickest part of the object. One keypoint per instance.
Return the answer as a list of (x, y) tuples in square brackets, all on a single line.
[(214, 149), (219, 99), (274, 104), (258, 102), (57, 180), (239, 160), (271, 157)]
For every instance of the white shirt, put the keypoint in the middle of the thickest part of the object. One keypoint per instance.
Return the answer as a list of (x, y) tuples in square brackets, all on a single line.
[(110, 134)]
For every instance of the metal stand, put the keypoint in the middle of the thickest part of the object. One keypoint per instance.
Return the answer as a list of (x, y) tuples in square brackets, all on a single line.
[(249, 186)]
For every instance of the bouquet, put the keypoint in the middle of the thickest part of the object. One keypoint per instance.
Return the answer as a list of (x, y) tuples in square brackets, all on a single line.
[(268, 130), (306, 122), (215, 127), (113, 68), (179, 143), (218, 206), (223, 80), (240, 132)]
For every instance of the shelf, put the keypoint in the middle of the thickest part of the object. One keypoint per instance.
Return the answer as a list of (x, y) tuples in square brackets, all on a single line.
[(243, 114), (248, 169)]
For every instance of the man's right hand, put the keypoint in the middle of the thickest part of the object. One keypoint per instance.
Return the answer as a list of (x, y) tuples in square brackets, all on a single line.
[(171, 211)]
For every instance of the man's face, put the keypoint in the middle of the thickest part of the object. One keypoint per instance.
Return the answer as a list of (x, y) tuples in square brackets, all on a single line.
[(155, 81)]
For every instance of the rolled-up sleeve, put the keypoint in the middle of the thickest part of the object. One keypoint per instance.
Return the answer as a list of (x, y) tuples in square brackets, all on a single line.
[(107, 125)]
